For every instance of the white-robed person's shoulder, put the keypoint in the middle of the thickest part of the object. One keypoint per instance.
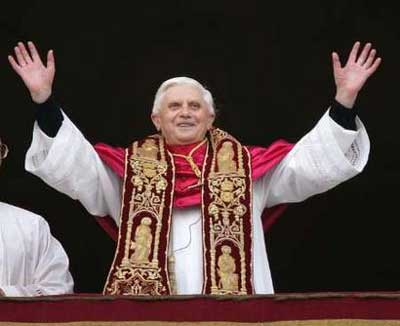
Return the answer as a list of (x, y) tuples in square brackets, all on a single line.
[(32, 261), (81, 174), (325, 157)]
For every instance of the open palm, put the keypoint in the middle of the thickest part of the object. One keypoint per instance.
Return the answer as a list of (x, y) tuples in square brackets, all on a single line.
[(357, 70), (37, 77)]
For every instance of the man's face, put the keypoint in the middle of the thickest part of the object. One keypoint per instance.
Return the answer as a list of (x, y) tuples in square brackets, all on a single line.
[(184, 117)]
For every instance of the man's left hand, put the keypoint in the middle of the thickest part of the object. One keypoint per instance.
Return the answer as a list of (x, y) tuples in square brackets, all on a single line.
[(351, 78)]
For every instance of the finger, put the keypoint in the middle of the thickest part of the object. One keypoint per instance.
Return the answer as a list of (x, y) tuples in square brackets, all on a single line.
[(374, 66), (336, 62), (51, 63), (364, 54), (3, 151), (33, 51), (20, 59), (354, 52), (370, 59), (13, 64), (24, 52)]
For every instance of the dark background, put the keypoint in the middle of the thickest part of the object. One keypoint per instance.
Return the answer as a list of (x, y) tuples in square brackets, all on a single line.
[(268, 67)]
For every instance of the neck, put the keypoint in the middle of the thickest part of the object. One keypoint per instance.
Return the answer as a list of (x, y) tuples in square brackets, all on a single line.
[(186, 149)]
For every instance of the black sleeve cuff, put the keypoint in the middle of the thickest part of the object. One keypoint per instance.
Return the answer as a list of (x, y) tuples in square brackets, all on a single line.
[(49, 117), (343, 116)]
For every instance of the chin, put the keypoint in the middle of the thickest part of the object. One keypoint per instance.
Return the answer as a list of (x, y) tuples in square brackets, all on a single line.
[(187, 138), (187, 141)]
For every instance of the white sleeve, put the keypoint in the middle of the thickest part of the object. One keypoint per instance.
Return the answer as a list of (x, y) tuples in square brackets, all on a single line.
[(322, 159), (49, 266), (70, 164)]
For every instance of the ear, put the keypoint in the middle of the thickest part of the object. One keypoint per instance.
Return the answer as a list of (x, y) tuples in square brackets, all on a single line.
[(211, 121), (156, 121)]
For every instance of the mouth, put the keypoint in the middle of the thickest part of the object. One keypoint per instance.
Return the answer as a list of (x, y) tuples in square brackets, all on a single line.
[(185, 125)]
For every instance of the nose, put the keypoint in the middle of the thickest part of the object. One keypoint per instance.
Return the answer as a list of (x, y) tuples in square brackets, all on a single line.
[(185, 112)]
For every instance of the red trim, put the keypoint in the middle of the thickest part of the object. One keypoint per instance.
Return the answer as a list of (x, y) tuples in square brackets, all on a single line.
[(271, 215), (265, 158), (183, 308), (114, 157), (122, 230), (108, 225)]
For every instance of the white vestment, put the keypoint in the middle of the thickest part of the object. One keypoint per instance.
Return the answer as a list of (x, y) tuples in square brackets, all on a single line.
[(32, 261), (325, 157)]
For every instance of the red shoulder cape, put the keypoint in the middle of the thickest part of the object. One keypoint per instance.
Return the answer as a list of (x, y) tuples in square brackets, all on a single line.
[(263, 159)]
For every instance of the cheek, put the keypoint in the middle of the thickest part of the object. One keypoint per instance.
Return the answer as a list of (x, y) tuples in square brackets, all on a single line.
[(166, 120), (170, 118), (203, 118)]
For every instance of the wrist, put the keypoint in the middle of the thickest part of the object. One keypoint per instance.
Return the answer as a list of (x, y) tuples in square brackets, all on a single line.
[(41, 97), (346, 98)]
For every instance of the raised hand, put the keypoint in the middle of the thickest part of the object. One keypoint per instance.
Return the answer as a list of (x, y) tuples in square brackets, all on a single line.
[(37, 77), (351, 78)]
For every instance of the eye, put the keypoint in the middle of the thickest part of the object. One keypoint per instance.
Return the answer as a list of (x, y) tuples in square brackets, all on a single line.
[(195, 105), (174, 105)]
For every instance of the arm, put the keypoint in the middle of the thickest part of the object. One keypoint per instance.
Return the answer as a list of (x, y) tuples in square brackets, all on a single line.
[(329, 154), (49, 117), (66, 162), (325, 157), (69, 163), (46, 264)]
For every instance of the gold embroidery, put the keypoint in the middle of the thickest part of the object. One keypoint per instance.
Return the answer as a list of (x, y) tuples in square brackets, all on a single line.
[(148, 176), (149, 149), (224, 188), (227, 186), (137, 274), (142, 243), (228, 279), (141, 265), (225, 156), (226, 191)]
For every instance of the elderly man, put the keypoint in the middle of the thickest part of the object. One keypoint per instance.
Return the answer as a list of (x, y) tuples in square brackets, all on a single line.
[(188, 200), (32, 261)]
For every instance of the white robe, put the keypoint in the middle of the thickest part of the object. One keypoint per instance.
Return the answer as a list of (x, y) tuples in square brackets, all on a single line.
[(325, 157), (32, 261)]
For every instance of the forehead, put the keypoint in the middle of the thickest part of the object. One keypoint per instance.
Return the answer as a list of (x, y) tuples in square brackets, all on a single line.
[(183, 92)]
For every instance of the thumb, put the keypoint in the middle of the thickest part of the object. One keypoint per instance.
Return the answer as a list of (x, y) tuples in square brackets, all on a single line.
[(51, 63), (336, 62)]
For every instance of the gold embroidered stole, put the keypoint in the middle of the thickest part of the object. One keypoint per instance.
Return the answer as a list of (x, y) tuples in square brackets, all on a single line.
[(227, 217), (140, 265)]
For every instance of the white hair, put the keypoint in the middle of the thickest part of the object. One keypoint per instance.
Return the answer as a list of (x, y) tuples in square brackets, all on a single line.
[(182, 81)]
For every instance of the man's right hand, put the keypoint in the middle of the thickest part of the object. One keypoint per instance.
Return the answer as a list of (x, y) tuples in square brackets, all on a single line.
[(37, 77)]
